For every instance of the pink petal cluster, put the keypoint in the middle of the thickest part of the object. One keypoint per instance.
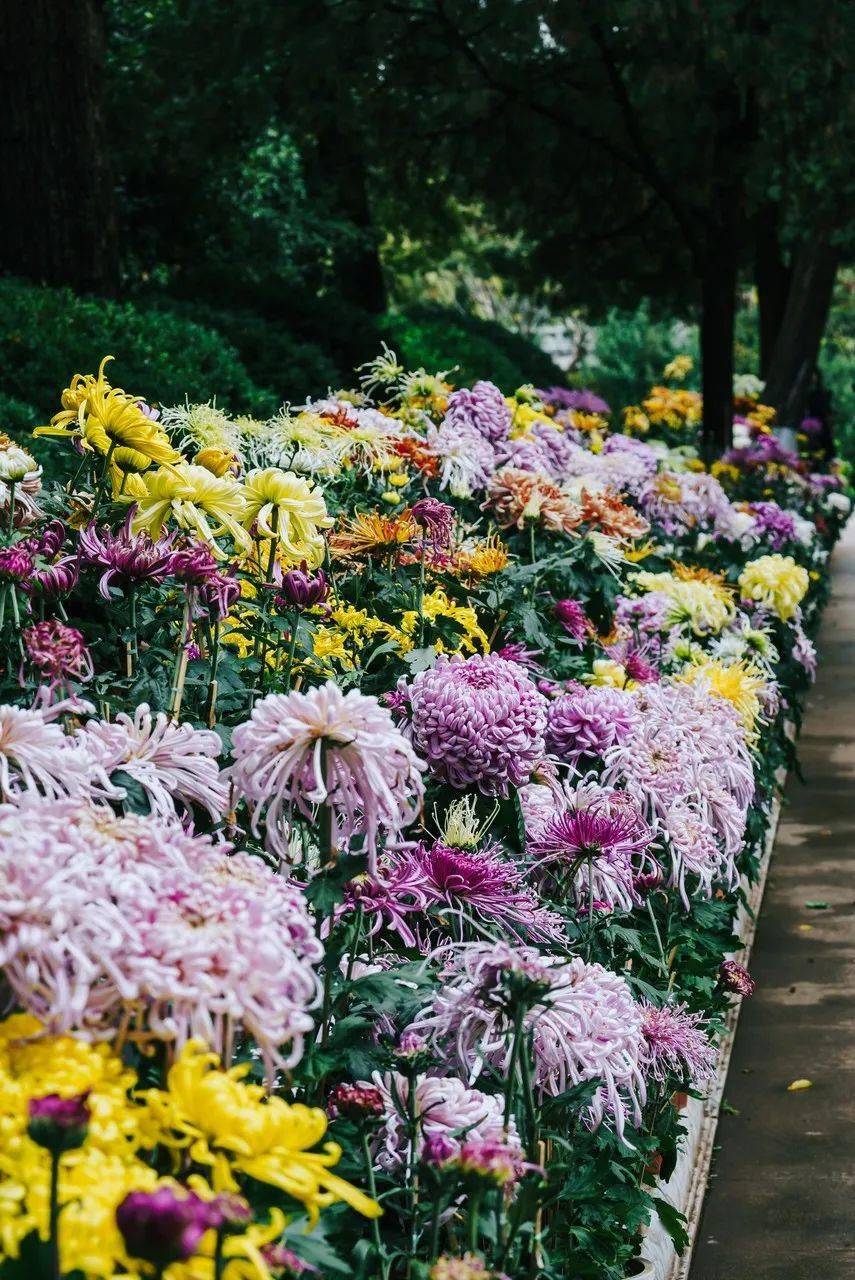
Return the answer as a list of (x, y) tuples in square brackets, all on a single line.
[(584, 1026), (675, 1045), (110, 921), (478, 722), (300, 750), (37, 757), (174, 763), (586, 722), (445, 1109)]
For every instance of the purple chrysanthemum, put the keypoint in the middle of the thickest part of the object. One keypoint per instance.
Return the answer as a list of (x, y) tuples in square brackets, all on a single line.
[(574, 398), (587, 722), (734, 977), (165, 1225), (482, 884), (573, 619), (478, 722), (594, 848), (57, 652), (126, 558), (773, 525), (482, 408), (436, 519), (675, 1044)]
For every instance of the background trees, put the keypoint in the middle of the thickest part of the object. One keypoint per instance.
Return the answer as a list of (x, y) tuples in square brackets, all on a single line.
[(286, 174)]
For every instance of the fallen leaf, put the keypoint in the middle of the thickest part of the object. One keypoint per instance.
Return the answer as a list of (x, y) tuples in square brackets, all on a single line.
[(805, 928), (816, 905), (799, 1084)]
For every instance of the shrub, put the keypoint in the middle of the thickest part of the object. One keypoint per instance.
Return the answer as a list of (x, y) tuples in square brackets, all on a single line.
[(46, 335), (443, 338), (631, 350)]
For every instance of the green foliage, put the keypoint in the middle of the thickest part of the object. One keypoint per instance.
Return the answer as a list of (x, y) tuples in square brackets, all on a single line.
[(46, 335), (442, 338), (631, 349)]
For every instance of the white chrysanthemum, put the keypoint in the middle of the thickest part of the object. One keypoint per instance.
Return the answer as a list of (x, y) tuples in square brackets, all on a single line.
[(37, 756)]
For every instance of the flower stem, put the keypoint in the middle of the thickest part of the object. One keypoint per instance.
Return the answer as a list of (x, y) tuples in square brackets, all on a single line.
[(211, 700), (219, 1261), (372, 1191), (421, 595), (11, 528), (53, 1216), (516, 1044), (292, 649)]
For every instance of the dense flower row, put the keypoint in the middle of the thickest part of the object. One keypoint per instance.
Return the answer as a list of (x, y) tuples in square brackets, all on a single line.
[(376, 786)]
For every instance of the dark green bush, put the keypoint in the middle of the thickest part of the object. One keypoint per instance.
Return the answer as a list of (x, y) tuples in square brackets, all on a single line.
[(46, 335), (442, 338)]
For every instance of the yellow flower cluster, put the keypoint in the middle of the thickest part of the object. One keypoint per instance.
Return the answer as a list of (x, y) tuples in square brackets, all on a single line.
[(349, 629), (672, 407), (678, 368), (705, 605), (741, 683), (234, 1128), (229, 1128), (775, 581)]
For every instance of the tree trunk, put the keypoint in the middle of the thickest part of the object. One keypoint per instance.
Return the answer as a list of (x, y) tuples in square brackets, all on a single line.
[(794, 358), (773, 276), (57, 203), (718, 314)]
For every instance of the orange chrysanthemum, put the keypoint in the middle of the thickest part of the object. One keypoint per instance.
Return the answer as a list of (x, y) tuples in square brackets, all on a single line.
[(610, 514), (370, 532), (517, 496)]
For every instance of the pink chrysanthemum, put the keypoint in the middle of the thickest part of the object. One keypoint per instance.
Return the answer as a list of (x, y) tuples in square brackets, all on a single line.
[(445, 1109), (323, 747), (108, 921), (584, 1024), (675, 1044), (36, 756), (478, 722), (480, 884), (57, 652), (174, 763)]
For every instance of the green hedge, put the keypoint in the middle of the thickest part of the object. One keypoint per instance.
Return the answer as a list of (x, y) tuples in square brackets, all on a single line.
[(46, 335)]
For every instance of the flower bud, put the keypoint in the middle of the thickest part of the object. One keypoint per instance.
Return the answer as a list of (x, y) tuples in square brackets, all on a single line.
[(59, 1124)]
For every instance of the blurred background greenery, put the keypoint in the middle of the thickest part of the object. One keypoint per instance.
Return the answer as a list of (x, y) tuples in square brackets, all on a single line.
[(245, 200)]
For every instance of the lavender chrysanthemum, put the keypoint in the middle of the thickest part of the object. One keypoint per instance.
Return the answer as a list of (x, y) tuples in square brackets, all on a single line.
[(37, 757), (594, 850), (675, 1045), (584, 1024), (466, 459), (587, 722), (478, 722), (481, 408), (301, 750), (773, 525)]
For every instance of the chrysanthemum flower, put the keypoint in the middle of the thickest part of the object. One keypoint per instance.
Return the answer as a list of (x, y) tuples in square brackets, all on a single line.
[(323, 747), (483, 558), (36, 756), (175, 764), (15, 463), (482, 408), (444, 1108), (105, 417), (609, 513), (479, 883), (584, 1026), (126, 558), (586, 722), (595, 850), (777, 582), (704, 605), (517, 496), (105, 918), (197, 501), (478, 722), (675, 1045), (372, 532), (57, 652), (237, 1128), (290, 509), (741, 683)]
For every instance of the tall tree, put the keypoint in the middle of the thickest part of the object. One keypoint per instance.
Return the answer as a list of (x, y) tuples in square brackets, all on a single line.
[(57, 204), (635, 141)]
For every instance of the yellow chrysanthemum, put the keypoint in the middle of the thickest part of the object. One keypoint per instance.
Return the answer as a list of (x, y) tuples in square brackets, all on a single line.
[(678, 368), (196, 500), (741, 683), (609, 673), (234, 1127), (705, 606), (436, 605), (777, 582), (635, 420), (725, 472), (105, 418), (484, 558), (290, 509), (218, 461)]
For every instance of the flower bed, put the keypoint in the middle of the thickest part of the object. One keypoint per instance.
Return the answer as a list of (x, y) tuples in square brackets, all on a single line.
[(377, 783)]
